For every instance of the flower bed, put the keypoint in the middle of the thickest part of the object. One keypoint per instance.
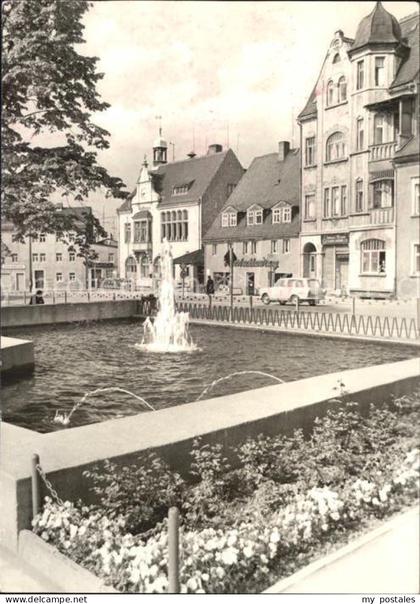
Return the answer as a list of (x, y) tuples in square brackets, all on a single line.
[(286, 500)]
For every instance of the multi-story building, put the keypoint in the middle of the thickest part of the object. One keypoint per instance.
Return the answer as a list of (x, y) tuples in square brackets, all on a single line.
[(49, 261), (176, 201), (358, 118), (260, 224)]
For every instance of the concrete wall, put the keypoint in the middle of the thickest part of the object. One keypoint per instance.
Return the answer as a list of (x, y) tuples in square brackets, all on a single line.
[(45, 314), (16, 356), (229, 419)]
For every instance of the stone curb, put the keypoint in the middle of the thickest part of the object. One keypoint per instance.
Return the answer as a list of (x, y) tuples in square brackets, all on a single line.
[(351, 548)]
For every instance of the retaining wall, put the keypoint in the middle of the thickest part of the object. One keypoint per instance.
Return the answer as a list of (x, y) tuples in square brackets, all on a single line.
[(17, 356), (43, 314), (228, 419)]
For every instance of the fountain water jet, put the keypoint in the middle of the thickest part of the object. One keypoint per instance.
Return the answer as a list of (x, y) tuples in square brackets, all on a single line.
[(64, 418), (227, 377), (169, 331)]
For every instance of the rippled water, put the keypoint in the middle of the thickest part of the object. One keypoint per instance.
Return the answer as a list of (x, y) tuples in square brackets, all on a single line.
[(74, 359)]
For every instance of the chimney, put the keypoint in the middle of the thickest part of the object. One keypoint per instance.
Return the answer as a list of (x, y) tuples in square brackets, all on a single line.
[(284, 148), (214, 149), (191, 154)]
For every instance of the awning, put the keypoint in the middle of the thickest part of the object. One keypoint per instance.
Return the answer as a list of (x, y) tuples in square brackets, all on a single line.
[(195, 258), (382, 175), (143, 214)]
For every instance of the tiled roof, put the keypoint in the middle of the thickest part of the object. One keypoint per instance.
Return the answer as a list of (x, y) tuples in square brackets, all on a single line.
[(412, 147), (126, 205), (266, 182), (310, 107), (377, 27), (409, 68)]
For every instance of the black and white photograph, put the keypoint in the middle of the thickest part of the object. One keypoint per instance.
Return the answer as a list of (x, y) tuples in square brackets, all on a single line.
[(210, 301)]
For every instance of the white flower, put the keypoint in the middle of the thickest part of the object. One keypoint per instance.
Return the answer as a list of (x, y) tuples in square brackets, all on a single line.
[(248, 551), (73, 531), (135, 575), (275, 536), (192, 584), (232, 539), (230, 555), (220, 572)]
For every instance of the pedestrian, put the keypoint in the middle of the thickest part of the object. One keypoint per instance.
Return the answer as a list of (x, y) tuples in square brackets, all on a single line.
[(37, 298), (210, 287)]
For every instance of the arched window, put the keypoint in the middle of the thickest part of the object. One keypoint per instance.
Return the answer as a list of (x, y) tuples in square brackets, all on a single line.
[(342, 89), (373, 256), (130, 267), (330, 93), (336, 147), (337, 58), (144, 266)]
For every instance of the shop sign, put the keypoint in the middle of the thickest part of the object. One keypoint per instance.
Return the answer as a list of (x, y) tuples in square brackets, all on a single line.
[(335, 239), (243, 262)]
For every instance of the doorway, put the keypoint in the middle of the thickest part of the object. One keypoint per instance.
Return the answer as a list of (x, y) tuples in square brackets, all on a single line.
[(309, 261), (20, 281), (39, 278), (341, 272)]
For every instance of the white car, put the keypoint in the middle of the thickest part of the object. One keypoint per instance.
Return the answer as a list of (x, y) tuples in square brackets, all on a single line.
[(293, 290)]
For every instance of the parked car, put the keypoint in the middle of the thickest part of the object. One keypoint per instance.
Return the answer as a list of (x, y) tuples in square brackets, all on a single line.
[(293, 290)]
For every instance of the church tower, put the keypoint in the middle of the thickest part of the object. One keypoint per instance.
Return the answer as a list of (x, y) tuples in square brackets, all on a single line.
[(160, 150)]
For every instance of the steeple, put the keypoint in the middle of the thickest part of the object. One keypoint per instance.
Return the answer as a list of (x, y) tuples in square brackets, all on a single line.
[(379, 27), (160, 150)]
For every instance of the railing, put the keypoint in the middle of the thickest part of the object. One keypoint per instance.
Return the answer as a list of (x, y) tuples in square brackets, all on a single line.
[(309, 321), (382, 151), (69, 296), (373, 217)]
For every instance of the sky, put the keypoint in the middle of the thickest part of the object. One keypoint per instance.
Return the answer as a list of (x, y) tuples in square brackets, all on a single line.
[(233, 73)]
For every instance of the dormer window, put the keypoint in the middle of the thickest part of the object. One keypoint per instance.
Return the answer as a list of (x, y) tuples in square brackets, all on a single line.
[(282, 214), (254, 217), (229, 219), (181, 189)]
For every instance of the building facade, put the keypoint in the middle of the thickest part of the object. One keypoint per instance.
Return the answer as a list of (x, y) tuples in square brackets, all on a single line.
[(356, 120), (260, 224), (47, 261), (176, 201)]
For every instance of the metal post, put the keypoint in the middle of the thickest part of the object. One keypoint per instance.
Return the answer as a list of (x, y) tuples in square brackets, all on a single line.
[(354, 306), (173, 551), (231, 274), (24, 297), (36, 486), (297, 304), (65, 296), (53, 297), (250, 302)]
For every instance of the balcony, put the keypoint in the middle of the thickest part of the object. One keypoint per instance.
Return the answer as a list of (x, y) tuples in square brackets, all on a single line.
[(375, 217), (382, 151), (142, 246)]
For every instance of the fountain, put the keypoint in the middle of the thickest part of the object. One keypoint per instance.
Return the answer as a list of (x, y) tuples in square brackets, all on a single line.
[(169, 331), (235, 373)]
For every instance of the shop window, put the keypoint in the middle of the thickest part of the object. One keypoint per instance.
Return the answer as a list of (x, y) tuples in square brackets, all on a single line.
[(336, 147), (359, 201), (383, 194), (373, 256)]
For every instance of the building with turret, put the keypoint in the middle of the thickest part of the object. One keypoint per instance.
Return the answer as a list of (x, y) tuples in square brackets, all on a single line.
[(178, 201), (359, 180)]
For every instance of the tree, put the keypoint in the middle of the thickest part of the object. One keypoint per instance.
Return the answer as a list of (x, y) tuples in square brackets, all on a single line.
[(48, 88)]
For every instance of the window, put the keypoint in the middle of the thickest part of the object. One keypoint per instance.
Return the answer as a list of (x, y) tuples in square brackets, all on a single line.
[(72, 256), (343, 200), (378, 129), (416, 259), (230, 188), (359, 203), (287, 214), (379, 71), (34, 257), (327, 208), (58, 237), (336, 147), (141, 231), (342, 90), (59, 257), (274, 246), (360, 75), (276, 215), (181, 189), (286, 246), (330, 93), (245, 247), (360, 134), (14, 257), (42, 238), (383, 194), (174, 225), (35, 237), (373, 256), (229, 219), (58, 277), (310, 156), (127, 232), (254, 217), (214, 249), (130, 267), (144, 267), (416, 197), (72, 276), (42, 257), (309, 207), (110, 257), (71, 238), (253, 247), (335, 201)]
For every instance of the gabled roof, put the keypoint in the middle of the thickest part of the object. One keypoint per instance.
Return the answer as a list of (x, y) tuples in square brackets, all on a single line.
[(408, 71), (266, 182), (310, 108), (229, 208)]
